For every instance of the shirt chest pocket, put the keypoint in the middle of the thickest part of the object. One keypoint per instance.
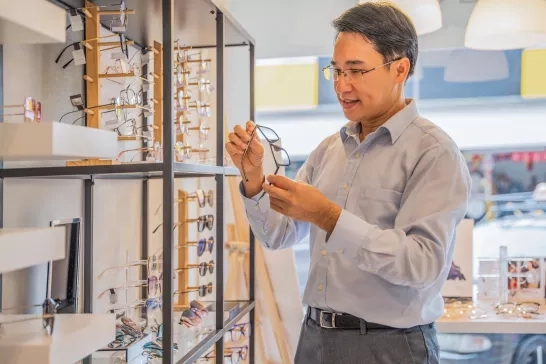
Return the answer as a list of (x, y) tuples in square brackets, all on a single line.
[(378, 206)]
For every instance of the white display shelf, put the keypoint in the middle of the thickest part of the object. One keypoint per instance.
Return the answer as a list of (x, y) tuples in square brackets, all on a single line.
[(75, 336), (22, 248), (31, 22), (55, 141), (493, 325)]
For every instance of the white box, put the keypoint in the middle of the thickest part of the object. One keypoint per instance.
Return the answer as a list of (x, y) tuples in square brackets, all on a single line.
[(460, 278), (22, 248), (55, 141), (31, 22), (75, 336)]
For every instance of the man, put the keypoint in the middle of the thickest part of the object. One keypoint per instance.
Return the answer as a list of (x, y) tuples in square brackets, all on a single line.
[(380, 199)]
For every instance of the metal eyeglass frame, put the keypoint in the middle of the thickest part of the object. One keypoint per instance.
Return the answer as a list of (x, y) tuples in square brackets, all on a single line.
[(332, 72), (274, 148)]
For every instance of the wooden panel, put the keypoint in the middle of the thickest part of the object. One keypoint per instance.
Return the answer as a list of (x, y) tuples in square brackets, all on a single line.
[(92, 31), (533, 77), (158, 92), (183, 300)]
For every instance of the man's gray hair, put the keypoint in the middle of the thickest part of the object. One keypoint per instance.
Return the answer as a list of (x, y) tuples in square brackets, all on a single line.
[(389, 29)]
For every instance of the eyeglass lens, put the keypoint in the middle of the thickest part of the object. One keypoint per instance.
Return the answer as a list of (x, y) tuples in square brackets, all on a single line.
[(203, 244), (205, 221)]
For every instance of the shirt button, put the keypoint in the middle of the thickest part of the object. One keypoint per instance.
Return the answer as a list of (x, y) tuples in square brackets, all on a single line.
[(340, 250), (324, 253), (320, 287), (256, 207), (357, 155), (345, 186)]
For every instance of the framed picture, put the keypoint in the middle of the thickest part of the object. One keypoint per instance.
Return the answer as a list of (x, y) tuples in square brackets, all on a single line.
[(525, 281), (460, 276)]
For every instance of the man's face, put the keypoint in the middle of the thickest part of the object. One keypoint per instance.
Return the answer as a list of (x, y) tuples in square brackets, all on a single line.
[(368, 95)]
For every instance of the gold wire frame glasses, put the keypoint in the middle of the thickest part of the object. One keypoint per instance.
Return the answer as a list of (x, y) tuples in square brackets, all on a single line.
[(330, 72)]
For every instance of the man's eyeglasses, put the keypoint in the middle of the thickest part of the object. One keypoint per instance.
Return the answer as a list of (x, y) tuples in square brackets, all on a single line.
[(271, 137), (350, 75)]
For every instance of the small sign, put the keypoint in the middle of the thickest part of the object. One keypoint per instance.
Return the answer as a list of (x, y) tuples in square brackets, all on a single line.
[(78, 54), (76, 23)]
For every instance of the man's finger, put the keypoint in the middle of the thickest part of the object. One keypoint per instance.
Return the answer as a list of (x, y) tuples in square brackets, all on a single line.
[(276, 192), (281, 203), (241, 132), (233, 149), (282, 182), (235, 139)]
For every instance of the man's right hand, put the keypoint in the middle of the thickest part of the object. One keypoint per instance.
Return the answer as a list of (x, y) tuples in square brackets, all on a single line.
[(252, 163)]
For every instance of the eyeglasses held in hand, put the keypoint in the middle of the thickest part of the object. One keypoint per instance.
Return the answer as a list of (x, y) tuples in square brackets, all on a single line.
[(202, 245), (271, 137)]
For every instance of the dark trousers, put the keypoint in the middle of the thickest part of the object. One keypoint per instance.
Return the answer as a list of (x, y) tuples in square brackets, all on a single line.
[(416, 345)]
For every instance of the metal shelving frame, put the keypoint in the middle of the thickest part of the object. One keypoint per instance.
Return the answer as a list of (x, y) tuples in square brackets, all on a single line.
[(167, 170)]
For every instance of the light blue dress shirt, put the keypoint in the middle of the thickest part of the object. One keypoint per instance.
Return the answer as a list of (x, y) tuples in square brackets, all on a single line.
[(403, 191)]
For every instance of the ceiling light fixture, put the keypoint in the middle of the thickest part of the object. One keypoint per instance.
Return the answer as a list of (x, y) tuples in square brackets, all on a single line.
[(506, 24)]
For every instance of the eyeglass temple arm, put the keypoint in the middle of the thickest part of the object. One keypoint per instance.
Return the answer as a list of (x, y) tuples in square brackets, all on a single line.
[(133, 264)]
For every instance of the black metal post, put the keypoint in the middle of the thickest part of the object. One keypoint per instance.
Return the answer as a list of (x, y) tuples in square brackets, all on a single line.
[(252, 242), (144, 232), (168, 179), (220, 42), (1, 161), (88, 245), (88, 249)]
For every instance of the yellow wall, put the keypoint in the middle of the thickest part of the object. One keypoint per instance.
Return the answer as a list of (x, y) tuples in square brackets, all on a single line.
[(533, 73), (286, 86)]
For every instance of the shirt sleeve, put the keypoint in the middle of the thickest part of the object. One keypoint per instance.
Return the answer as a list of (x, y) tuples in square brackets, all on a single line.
[(272, 229), (415, 252)]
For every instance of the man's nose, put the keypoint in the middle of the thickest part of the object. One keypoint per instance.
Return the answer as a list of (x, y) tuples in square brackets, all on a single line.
[(341, 85)]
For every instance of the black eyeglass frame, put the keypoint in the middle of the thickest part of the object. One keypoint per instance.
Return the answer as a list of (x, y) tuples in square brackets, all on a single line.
[(274, 148)]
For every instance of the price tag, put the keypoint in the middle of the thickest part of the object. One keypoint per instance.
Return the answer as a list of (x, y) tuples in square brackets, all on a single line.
[(145, 59), (145, 86), (76, 22), (78, 54)]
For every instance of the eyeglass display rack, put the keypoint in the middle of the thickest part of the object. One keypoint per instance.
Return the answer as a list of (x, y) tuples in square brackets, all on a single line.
[(167, 170)]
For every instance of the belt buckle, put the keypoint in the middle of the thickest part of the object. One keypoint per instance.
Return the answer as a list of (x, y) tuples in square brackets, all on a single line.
[(321, 320)]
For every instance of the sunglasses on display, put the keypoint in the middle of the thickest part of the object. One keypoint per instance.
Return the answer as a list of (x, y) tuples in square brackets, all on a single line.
[(271, 137), (193, 316), (202, 245), (239, 331), (203, 268), (32, 110), (232, 355), (203, 290)]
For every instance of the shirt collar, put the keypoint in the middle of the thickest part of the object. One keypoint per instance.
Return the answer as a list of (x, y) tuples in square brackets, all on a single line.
[(395, 125)]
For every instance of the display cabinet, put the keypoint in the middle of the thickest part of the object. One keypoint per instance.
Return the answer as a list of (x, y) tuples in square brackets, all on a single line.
[(90, 153)]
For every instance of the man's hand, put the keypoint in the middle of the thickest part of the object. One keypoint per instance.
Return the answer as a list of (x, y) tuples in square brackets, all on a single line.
[(238, 141), (302, 202)]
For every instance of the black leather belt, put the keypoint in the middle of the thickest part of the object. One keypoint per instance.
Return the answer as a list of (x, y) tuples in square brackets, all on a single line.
[(333, 320)]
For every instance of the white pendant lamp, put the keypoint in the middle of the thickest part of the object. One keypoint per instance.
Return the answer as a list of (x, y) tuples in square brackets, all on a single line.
[(506, 24), (426, 15), (468, 65)]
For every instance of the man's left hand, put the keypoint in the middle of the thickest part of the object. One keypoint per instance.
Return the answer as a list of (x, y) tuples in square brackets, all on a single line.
[(301, 201)]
